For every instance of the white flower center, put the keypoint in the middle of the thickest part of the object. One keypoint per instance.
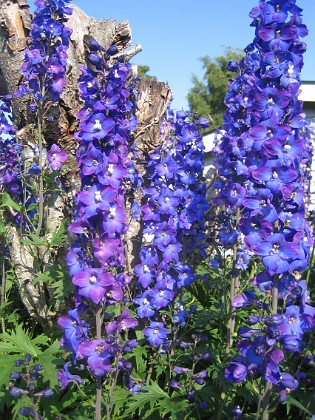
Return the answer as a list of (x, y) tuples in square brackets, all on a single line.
[(98, 196), (112, 211), (97, 126), (290, 69), (93, 279)]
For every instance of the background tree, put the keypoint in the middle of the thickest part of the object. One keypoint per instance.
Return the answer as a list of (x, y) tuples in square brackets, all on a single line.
[(143, 71), (206, 97)]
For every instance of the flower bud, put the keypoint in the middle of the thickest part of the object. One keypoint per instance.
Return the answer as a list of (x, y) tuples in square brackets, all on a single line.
[(17, 392), (27, 359), (26, 411), (15, 375)]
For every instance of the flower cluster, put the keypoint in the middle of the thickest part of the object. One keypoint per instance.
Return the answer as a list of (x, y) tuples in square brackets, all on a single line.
[(16, 170), (262, 158), (10, 152), (45, 62), (43, 75), (25, 384), (173, 214), (96, 260)]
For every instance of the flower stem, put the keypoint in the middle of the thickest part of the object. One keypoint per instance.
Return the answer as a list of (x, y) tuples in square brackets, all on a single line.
[(41, 179), (233, 292), (98, 403), (232, 314), (2, 295), (264, 399)]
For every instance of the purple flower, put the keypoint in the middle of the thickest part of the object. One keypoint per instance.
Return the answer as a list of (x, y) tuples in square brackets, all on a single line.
[(92, 283), (123, 323), (56, 157), (236, 372), (64, 376), (98, 357), (175, 384), (95, 128), (156, 333), (276, 252), (75, 330)]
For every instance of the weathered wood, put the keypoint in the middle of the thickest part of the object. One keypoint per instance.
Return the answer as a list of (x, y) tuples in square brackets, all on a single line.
[(152, 102)]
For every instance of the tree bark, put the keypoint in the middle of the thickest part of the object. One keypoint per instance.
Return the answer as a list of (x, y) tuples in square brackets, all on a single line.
[(153, 100)]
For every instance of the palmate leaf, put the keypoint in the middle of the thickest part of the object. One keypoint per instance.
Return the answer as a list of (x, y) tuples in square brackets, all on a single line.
[(60, 236), (152, 395), (120, 399), (48, 359), (19, 341), (140, 355), (34, 240), (173, 407)]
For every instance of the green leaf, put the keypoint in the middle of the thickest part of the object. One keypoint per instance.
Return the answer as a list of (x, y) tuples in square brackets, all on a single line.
[(120, 399), (19, 342), (141, 366), (59, 237), (292, 401), (8, 202), (173, 406), (2, 227), (34, 240), (41, 277), (152, 395)]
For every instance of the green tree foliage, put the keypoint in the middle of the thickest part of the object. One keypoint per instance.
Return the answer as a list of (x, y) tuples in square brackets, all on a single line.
[(143, 72), (206, 97)]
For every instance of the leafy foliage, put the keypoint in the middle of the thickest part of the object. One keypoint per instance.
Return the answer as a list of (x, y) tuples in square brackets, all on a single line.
[(206, 97)]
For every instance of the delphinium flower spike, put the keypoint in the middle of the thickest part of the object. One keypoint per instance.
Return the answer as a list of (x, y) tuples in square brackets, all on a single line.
[(261, 163), (172, 216), (97, 258)]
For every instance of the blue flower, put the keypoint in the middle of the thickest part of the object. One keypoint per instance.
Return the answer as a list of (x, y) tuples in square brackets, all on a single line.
[(156, 333)]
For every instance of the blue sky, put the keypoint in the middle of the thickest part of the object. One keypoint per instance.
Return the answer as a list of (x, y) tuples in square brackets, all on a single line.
[(174, 34)]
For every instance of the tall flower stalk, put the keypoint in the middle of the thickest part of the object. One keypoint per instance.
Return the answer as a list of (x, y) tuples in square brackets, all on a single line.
[(173, 215), (261, 161), (97, 259), (43, 73)]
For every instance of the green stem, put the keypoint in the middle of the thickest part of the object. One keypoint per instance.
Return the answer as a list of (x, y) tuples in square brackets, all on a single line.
[(112, 388), (99, 384), (264, 399), (230, 327), (310, 265), (233, 293), (41, 177), (2, 295)]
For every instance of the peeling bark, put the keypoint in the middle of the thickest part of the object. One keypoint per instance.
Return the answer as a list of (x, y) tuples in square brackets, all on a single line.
[(153, 99)]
